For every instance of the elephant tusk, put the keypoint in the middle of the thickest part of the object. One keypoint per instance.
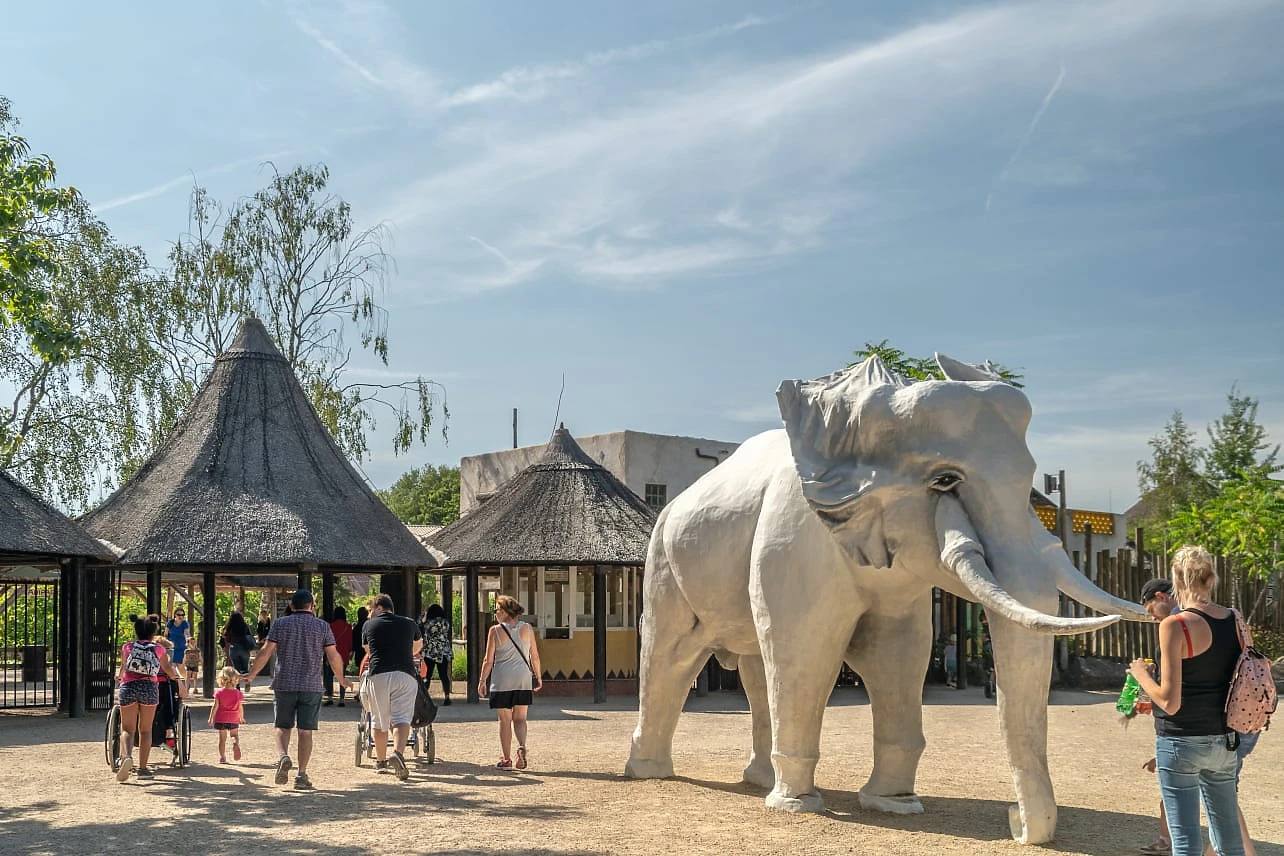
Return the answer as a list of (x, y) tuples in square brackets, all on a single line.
[(961, 551), (1071, 581)]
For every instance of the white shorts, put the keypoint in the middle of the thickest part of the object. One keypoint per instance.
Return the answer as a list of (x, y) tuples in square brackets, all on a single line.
[(391, 699)]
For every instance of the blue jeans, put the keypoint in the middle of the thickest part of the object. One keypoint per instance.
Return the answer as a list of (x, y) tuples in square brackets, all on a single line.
[(1190, 768)]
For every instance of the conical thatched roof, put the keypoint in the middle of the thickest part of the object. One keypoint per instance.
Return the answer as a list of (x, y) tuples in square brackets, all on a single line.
[(31, 529), (565, 509), (251, 477)]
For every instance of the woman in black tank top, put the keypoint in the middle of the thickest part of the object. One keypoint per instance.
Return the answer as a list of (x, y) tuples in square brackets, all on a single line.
[(1194, 750)]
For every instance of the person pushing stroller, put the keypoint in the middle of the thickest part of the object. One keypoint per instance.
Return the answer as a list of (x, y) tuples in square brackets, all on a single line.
[(392, 643)]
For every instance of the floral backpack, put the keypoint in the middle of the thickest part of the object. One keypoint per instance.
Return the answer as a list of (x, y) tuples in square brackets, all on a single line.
[(1252, 697)]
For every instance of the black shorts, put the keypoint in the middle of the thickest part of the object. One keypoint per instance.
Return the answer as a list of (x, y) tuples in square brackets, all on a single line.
[(226, 726), (509, 699)]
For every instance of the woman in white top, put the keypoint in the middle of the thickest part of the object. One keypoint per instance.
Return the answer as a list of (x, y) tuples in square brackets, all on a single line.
[(510, 675)]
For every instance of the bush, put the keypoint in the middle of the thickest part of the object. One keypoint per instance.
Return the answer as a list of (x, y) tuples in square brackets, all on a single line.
[(459, 665), (1269, 642)]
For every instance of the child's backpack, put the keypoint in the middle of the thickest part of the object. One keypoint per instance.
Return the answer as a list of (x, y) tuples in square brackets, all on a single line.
[(1252, 697), (142, 659)]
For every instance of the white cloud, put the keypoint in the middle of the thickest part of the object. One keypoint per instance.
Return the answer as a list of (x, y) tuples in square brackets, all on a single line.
[(1029, 135), (527, 83), (740, 163), (187, 180)]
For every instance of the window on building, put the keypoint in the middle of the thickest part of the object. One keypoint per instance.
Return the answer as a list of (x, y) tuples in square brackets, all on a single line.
[(657, 496)]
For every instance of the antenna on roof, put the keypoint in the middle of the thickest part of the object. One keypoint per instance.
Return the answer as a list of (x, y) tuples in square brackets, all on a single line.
[(558, 413)]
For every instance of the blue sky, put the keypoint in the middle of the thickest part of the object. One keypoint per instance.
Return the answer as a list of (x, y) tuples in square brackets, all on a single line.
[(679, 204)]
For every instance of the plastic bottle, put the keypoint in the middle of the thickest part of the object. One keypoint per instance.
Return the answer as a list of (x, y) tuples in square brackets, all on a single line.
[(1144, 704), (1128, 698)]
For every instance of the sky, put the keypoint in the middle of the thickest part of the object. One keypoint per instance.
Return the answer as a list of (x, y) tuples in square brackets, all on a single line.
[(677, 205)]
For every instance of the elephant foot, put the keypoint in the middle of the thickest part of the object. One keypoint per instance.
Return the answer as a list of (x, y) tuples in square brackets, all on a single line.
[(759, 774), (891, 803), (648, 768), (803, 803), (1023, 833)]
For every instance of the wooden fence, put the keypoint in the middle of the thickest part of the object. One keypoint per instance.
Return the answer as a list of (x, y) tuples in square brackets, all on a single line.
[(1121, 574)]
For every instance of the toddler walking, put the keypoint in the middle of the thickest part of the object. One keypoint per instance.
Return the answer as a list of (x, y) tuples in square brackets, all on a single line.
[(227, 713)]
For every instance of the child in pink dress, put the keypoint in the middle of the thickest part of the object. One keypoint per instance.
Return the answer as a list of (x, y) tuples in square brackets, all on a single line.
[(227, 713)]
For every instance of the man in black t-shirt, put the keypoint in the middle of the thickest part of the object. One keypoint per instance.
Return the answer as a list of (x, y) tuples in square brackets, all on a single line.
[(392, 642)]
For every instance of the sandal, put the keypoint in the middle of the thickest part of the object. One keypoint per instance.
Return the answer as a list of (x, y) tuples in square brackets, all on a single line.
[(521, 757), (1158, 847), (504, 764)]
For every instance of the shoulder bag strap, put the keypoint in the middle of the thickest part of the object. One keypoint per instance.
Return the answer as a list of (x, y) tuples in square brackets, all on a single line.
[(503, 627), (1190, 646), (1241, 628)]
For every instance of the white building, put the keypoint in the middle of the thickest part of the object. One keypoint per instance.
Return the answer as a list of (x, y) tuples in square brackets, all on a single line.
[(656, 467)]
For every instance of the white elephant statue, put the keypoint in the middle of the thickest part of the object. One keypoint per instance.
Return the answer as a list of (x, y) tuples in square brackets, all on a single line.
[(822, 542)]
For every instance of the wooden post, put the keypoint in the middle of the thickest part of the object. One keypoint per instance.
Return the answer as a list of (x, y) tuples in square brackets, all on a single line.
[(70, 672), (448, 600), (599, 634), (960, 635), (1064, 527), (208, 632), (154, 589), (305, 577), (472, 636), (409, 594), (327, 595)]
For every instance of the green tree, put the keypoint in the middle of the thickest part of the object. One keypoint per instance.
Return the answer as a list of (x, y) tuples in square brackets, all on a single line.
[(1172, 480), (73, 426), (917, 368), (31, 206), (425, 495), (1243, 520), (1237, 444), (291, 254)]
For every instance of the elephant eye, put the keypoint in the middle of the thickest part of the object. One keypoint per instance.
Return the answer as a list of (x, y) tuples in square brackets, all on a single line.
[(945, 482)]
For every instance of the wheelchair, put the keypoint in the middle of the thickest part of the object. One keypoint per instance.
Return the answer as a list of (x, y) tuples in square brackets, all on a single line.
[(171, 715)]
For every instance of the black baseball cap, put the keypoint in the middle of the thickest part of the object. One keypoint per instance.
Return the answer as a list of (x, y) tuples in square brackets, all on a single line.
[(1154, 587), (302, 599)]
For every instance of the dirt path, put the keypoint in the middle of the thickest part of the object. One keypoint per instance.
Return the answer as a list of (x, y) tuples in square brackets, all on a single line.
[(57, 795)]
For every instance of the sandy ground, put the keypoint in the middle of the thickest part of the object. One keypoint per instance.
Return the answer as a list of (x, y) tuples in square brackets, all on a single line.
[(57, 795)]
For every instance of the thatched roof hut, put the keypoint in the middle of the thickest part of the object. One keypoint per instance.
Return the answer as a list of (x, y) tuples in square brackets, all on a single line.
[(250, 477), (564, 509), (32, 532)]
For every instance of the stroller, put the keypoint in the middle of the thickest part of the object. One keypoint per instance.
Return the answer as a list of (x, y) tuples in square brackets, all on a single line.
[(422, 740), (171, 716)]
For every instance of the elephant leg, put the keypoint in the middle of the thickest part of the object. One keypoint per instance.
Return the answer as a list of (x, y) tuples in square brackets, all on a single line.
[(673, 651), (800, 671), (1023, 667), (891, 653), (753, 677)]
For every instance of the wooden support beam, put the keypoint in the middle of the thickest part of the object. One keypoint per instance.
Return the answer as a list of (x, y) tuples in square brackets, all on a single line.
[(409, 594), (599, 634), (154, 589), (209, 618), (472, 623), (327, 595)]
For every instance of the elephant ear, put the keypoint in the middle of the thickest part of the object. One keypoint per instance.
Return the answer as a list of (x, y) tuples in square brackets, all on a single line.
[(956, 370), (828, 421)]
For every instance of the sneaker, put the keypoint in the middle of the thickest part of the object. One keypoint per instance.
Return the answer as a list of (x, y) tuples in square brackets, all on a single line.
[(123, 771), (327, 703), (398, 765), (236, 751), (446, 702), (302, 782), (283, 766), (341, 704), (382, 767), (144, 773)]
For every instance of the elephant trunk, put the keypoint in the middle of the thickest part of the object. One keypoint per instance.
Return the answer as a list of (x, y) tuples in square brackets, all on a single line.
[(961, 551)]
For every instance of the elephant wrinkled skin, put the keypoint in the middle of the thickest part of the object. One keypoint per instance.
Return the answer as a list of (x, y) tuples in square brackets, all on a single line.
[(822, 542)]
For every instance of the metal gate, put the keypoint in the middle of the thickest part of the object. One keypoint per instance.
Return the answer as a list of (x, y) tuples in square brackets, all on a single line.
[(102, 605), (29, 648)]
